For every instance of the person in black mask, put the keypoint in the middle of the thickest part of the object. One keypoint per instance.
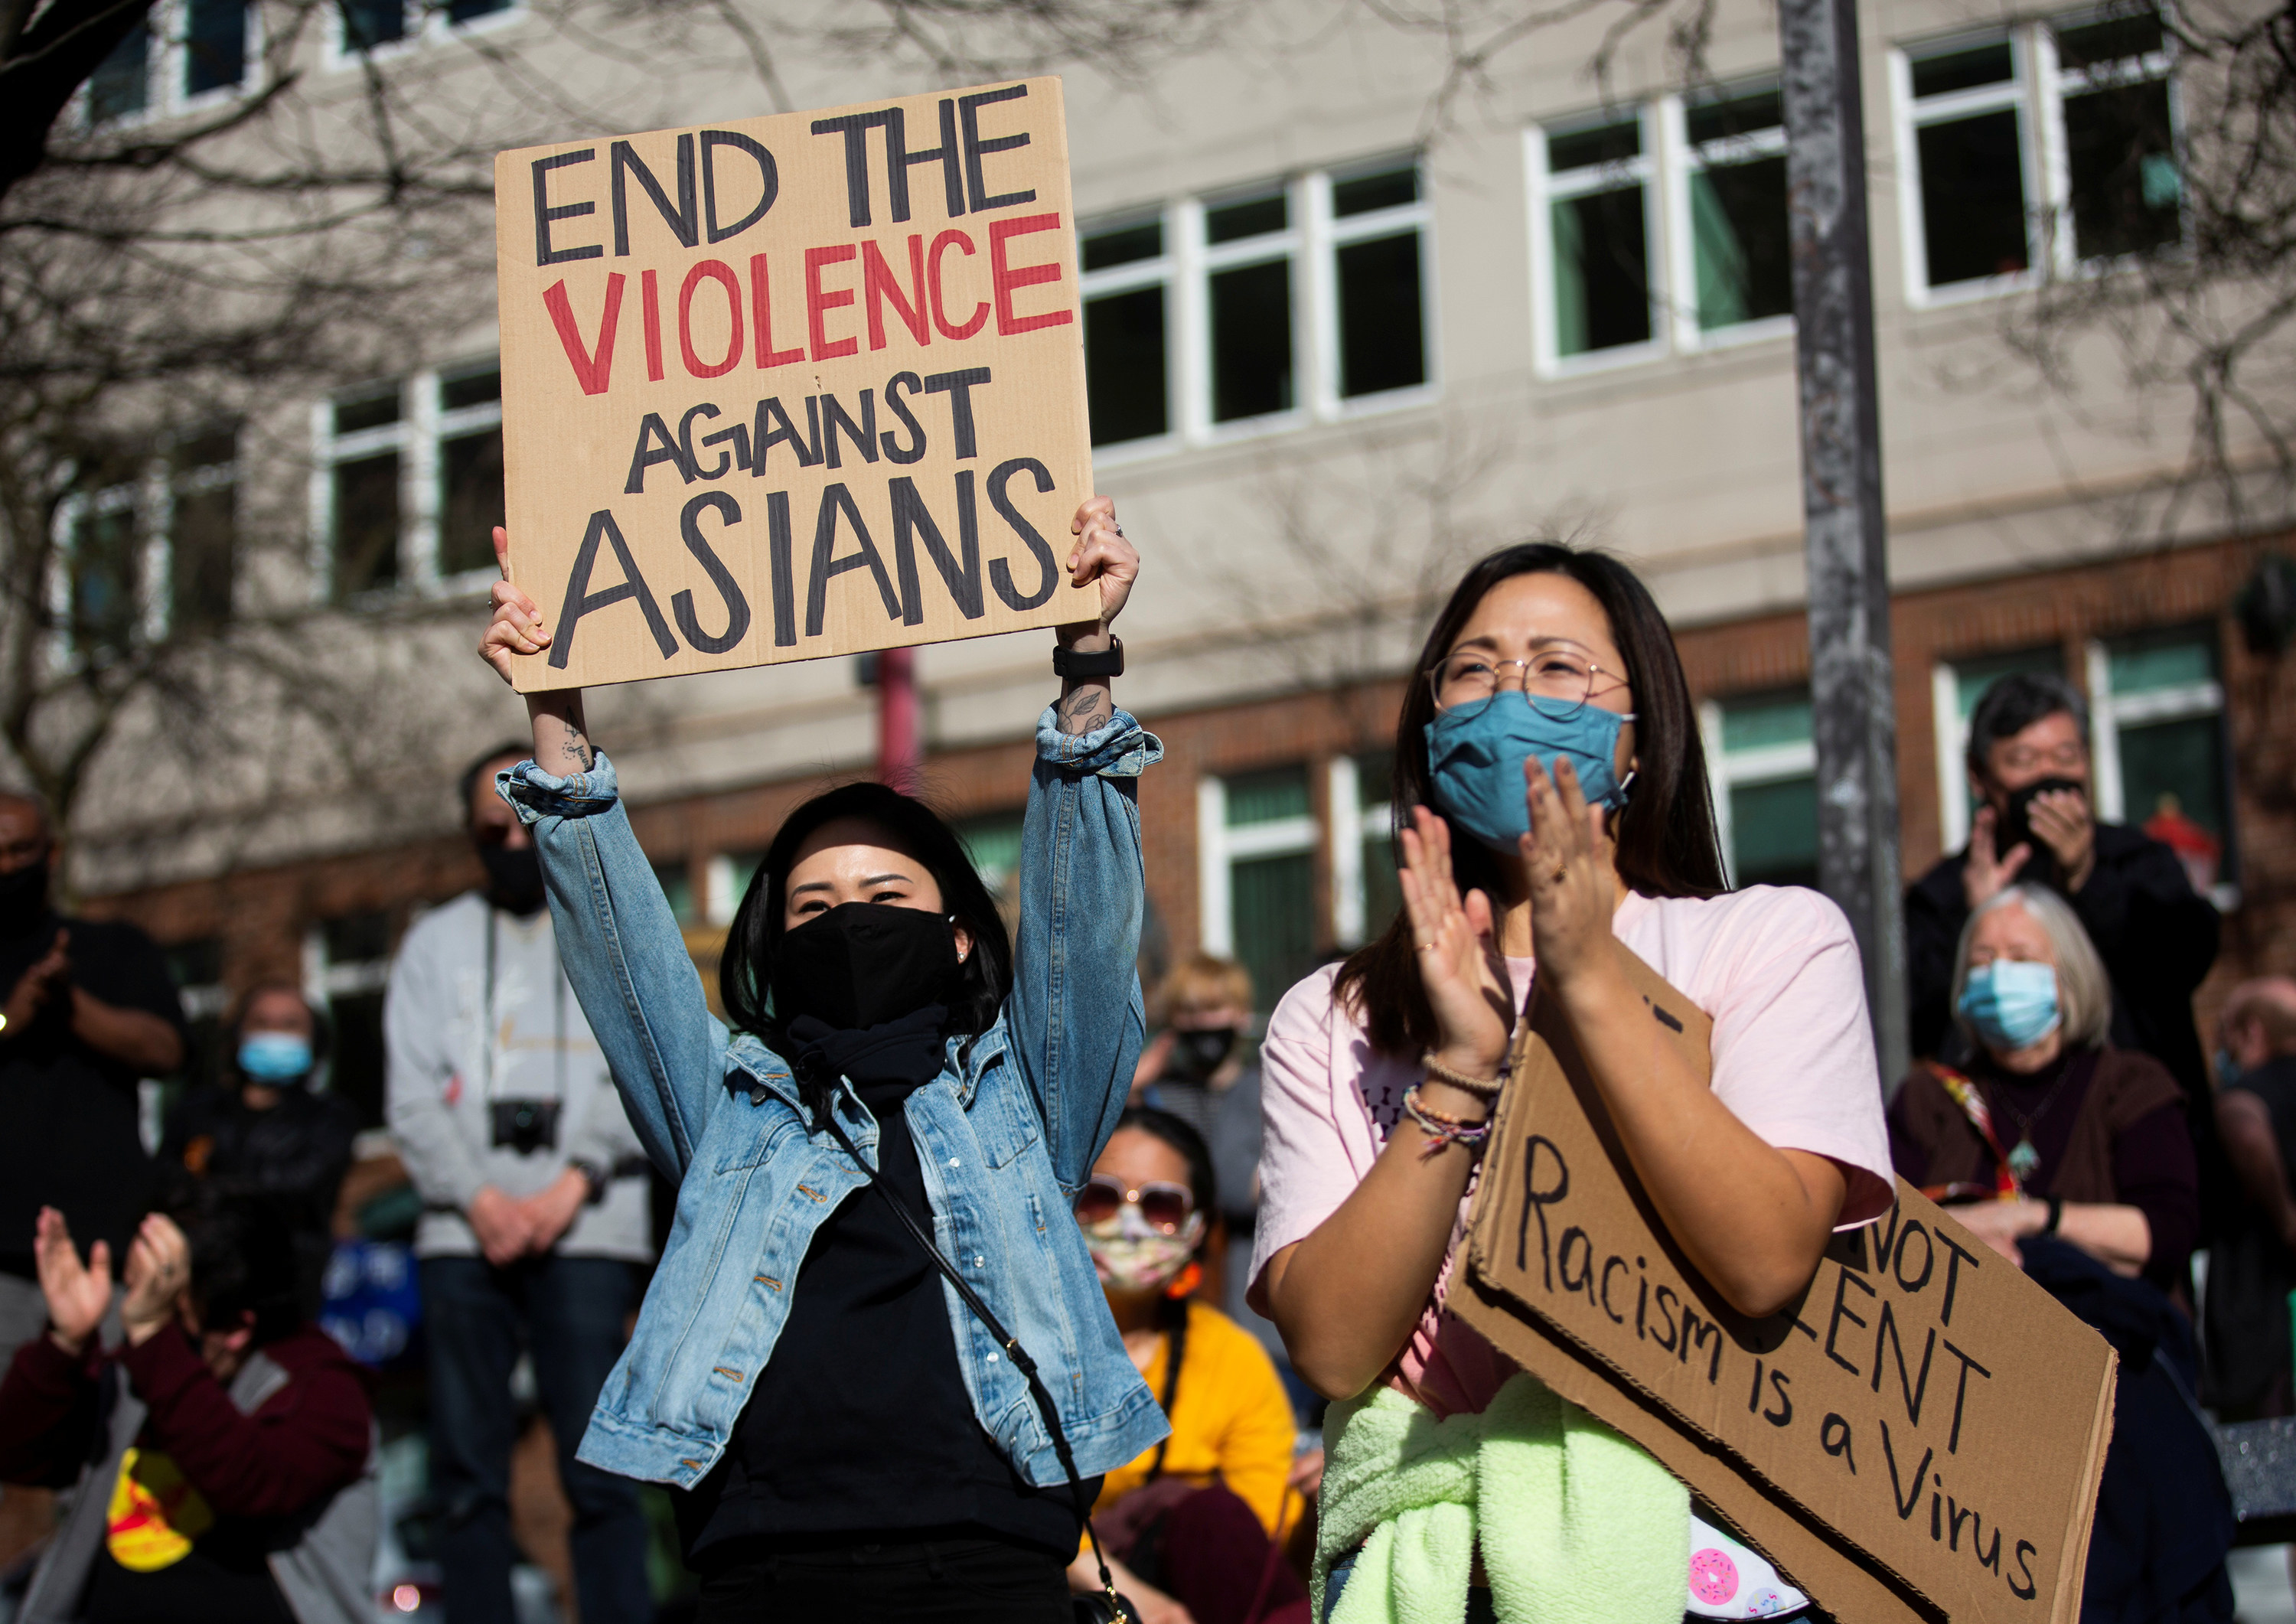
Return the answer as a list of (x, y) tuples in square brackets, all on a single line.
[(535, 1214), (1200, 1069), (263, 1130), (89, 1010), (2029, 766), (844, 1435)]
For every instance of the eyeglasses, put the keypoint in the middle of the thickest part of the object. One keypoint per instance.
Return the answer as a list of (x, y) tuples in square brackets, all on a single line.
[(1558, 677), (1165, 1206)]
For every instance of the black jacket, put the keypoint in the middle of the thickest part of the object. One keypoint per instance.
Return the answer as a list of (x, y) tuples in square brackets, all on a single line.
[(68, 1113), (2157, 937)]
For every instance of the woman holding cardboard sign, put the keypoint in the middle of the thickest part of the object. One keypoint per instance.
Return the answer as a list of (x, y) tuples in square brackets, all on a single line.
[(833, 1368), (1552, 794)]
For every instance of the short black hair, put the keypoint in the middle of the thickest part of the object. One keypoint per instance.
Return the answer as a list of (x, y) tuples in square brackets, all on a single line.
[(467, 784), (2015, 703), (243, 1258), (746, 972), (1181, 1134)]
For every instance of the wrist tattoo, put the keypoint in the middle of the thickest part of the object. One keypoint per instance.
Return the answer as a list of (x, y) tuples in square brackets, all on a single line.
[(1084, 710)]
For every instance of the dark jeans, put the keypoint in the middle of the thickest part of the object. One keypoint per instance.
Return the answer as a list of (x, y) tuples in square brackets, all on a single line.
[(942, 1581), (569, 1313)]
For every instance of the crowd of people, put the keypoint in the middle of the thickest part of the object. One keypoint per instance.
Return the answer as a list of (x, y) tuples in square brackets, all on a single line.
[(991, 1289)]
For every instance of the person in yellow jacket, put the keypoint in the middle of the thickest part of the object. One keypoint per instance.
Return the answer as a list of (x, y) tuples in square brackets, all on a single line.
[(1193, 1524)]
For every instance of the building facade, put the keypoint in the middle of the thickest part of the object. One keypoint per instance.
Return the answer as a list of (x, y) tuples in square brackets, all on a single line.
[(1345, 330)]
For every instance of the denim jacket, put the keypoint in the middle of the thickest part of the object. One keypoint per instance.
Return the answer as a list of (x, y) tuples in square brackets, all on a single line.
[(1005, 1135)]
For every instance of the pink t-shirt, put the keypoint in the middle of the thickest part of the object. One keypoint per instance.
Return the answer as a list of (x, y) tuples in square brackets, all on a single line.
[(1776, 967)]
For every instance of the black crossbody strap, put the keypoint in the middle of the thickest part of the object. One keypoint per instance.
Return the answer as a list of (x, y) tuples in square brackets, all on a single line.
[(1005, 1339)]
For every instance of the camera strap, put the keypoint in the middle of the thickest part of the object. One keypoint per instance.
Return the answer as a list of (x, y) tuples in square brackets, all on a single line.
[(1021, 1362), (488, 1025)]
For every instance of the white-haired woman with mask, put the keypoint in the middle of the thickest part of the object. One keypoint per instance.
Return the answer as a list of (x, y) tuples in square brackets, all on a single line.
[(2049, 1130)]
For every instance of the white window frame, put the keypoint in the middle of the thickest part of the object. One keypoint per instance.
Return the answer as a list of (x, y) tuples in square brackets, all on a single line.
[(418, 436), (1910, 116), (150, 499), (1206, 259), (1952, 731), (2035, 91), (1327, 234), (434, 427), (1726, 770), (1643, 169), (1162, 271), (1310, 242), (2110, 712), (1219, 847), (167, 54), (1684, 159), (325, 981), (1352, 824), (426, 24)]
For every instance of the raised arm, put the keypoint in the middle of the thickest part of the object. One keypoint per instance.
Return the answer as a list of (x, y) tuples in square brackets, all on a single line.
[(617, 938), (1075, 1017)]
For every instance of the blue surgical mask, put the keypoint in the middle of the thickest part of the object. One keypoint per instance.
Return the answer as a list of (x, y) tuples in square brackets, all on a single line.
[(273, 1057), (1475, 757), (2012, 1003), (2228, 1069)]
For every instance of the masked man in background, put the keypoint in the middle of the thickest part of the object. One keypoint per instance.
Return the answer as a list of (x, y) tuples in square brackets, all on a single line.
[(2029, 766), (89, 1010), (535, 1201), (1201, 1069)]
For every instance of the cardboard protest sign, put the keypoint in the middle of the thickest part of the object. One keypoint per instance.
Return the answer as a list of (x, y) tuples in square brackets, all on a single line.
[(785, 387), (1919, 1437)]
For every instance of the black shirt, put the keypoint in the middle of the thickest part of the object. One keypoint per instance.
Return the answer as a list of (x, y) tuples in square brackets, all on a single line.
[(206, 1586), (68, 1114), (859, 1427), (295, 1153), (2275, 1083)]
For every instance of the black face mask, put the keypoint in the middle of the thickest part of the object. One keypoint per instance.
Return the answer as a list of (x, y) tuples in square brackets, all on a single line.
[(513, 878), (1200, 1053), (2016, 827), (23, 895), (864, 964)]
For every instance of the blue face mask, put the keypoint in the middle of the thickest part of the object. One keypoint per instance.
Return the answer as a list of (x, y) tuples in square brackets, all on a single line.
[(273, 1057), (1475, 757), (2228, 1069), (2012, 1003)]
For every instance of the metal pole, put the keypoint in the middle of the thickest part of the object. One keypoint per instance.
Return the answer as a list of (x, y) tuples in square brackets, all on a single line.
[(1853, 714), (900, 740)]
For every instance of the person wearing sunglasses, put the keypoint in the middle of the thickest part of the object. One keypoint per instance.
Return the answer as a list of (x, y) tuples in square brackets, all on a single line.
[(847, 1432), (1194, 1523), (1553, 808)]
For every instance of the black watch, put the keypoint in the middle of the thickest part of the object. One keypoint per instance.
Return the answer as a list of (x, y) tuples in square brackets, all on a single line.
[(594, 1176), (1075, 665)]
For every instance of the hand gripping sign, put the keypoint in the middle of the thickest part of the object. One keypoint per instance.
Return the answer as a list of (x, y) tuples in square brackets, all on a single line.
[(1919, 1437), (780, 388)]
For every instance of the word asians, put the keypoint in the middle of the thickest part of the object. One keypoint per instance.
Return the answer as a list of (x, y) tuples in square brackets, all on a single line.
[(904, 512)]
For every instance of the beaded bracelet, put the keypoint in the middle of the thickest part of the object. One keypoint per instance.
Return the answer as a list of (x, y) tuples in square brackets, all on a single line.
[(1442, 1130), (1481, 1088)]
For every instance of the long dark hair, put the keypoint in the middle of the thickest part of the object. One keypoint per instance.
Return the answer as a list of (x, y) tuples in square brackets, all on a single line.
[(1668, 842), (746, 972)]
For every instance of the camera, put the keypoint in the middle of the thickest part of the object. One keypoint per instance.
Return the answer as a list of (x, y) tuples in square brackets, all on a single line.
[(525, 1126)]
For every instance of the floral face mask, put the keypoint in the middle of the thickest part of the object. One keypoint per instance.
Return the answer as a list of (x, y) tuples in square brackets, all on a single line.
[(1134, 1257)]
